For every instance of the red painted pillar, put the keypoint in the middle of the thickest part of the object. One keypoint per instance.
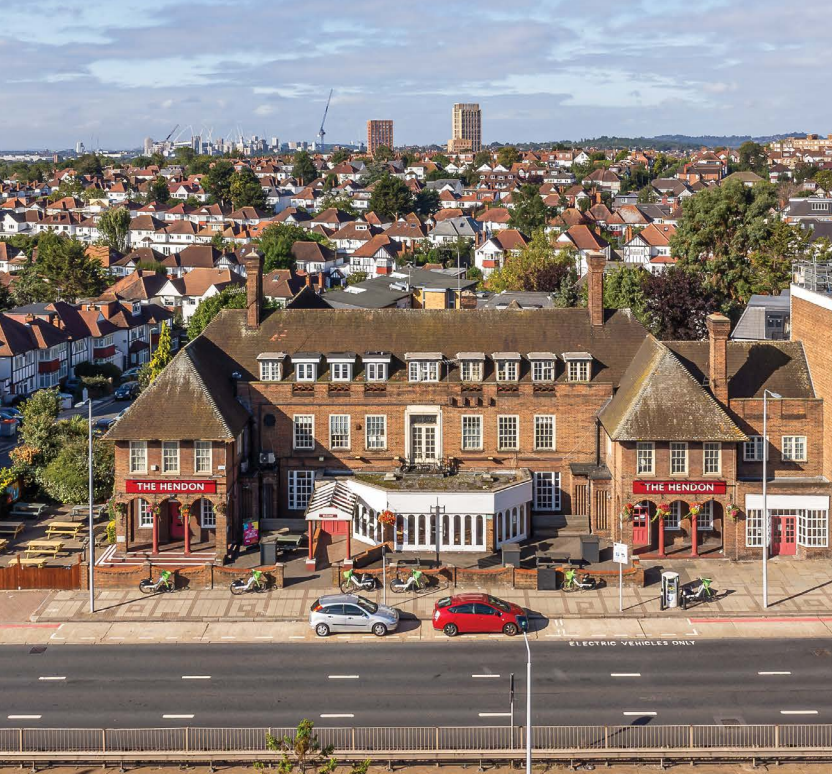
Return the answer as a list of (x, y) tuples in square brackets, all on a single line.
[(311, 547), (155, 533), (661, 536), (186, 521), (348, 557), (694, 536)]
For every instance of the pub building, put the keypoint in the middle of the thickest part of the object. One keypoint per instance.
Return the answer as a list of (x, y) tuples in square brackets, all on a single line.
[(472, 427)]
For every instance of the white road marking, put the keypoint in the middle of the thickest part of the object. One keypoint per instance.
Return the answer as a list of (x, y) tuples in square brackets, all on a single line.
[(495, 714), (485, 675), (52, 678), (196, 677), (24, 717), (297, 637), (343, 677), (338, 715), (625, 674), (265, 637), (798, 712), (640, 714), (177, 717), (773, 673), (228, 637)]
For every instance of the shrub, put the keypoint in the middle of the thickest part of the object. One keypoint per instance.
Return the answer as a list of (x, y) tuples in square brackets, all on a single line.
[(111, 532), (96, 386), (107, 370)]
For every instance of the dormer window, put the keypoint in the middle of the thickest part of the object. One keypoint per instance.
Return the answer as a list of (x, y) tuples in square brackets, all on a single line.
[(578, 366), (376, 366), (423, 366), (306, 366), (508, 366), (543, 366), (471, 366), (271, 366), (341, 366)]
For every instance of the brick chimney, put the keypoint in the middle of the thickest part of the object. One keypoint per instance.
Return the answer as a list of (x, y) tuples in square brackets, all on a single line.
[(254, 290), (595, 277), (719, 327)]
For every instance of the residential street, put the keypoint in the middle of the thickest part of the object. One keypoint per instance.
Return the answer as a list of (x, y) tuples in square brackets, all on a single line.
[(464, 683)]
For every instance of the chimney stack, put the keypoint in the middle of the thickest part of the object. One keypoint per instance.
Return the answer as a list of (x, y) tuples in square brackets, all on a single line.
[(595, 276), (719, 327), (254, 290)]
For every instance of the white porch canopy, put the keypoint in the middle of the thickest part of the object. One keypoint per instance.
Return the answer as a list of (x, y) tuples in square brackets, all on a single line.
[(331, 501)]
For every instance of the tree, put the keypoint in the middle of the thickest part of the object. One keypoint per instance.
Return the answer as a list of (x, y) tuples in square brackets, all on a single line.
[(6, 301), (474, 273), (508, 155), (624, 289), (426, 202), (340, 202), (69, 271), (383, 153), (246, 190), (677, 303), (30, 287), (529, 212), (567, 294), (823, 178), (304, 169), (647, 195), (355, 277), (540, 266), (391, 198), (753, 158), (209, 308), (771, 264), (39, 413), (88, 164), (276, 242), (158, 190), (720, 229), (114, 227), (339, 156), (302, 749), (217, 182), (65, 477), (441, 160), (162, 356)]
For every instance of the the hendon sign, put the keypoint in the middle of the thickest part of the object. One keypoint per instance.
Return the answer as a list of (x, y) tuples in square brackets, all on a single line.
[(136, 486), (679, 487)]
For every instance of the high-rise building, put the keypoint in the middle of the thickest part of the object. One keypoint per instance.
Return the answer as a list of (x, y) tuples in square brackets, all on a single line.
[(79, 148), (466, 128), (379, 132), (148, 146)]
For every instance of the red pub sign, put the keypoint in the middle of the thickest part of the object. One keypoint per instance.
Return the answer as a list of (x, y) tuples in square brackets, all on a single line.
[(136, 486), (679, 487)]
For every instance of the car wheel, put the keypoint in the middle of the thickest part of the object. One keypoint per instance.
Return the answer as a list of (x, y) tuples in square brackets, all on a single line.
[(510, 629), (322, 630), (379, 629), (451, 630)]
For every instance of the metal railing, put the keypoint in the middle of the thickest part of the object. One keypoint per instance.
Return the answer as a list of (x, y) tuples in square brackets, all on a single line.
[(482, 740)]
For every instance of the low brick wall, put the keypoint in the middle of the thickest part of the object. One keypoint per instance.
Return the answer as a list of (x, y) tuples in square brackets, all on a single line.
[(632, 575), (525, 579), (493, 576), (223, 576), (206, 576)]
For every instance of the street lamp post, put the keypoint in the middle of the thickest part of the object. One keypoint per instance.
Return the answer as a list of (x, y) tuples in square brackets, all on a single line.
[(528, 704), (766, 519), (91, 533)]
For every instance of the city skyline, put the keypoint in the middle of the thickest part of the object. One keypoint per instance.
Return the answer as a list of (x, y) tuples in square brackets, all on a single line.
[(115, 75)]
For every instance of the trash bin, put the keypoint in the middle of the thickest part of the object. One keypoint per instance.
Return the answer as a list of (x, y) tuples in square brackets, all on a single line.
[(268, 551), (590, 549), (8, 427), (511, 554), (547, 575)]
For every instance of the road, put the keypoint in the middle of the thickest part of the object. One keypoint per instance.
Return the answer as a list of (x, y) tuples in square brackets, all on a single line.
[(398, 684)]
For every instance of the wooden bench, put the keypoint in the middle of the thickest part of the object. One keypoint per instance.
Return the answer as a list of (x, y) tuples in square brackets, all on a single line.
[(287, 539), (3, 543), (13, 528), (82, 512), (67, 528), (48, 547), (28, 510), (29, 561)]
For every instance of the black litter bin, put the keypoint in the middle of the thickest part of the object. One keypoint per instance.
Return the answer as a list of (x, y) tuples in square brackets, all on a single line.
[(591, 549), (268, 551), (547, 575), (511, 554)]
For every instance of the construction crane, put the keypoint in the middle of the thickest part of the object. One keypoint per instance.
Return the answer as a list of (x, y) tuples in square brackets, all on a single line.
[(171, 133), (321, 132)]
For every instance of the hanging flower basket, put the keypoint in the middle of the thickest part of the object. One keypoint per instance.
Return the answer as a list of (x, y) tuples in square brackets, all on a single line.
[(185, 509), (662, 511), (733, 512), (388, 518), (155, 508), (220, 508), (627, 511), (116, 508), (694, 510)]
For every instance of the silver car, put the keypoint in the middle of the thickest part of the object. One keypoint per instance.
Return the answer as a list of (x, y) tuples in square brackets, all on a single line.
[(350, 613)]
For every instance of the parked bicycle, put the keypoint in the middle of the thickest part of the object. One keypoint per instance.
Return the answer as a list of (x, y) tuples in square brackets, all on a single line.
[(701, 593), (571, 582), (351, 580), (417, 582), (166, 582), (255, 582)]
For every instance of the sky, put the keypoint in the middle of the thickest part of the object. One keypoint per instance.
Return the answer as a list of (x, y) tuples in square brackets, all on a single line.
[(111, 72)]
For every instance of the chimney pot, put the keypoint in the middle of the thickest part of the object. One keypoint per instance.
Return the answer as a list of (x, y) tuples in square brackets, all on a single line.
[(719, 328)]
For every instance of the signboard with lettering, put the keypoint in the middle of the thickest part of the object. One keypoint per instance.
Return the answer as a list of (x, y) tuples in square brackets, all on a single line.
[(173, 487), (619, 553), (251, 531), (679, 487)]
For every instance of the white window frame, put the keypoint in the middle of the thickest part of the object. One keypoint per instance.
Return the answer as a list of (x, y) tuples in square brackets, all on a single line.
[(340, 372), (301, 484), (754, 445), (299, 421), (705, 517), (145, 516), (375, 372), (645, 451), (306, 372), (200, 457), (504, 425), (207, 514), (813, 528), (711, 453), (379, 439), (339, 425), (793, 448), (540, 426), (543, 370), (578, 370), (138, 456), (678, 458), (471, 370), (423, 370), (546, 491), (508, 370), (170, 446), (473, 422), (270, 370), (672, 522)]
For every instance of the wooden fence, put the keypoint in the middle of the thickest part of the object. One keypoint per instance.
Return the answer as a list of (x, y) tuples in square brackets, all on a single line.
[(17, 576)]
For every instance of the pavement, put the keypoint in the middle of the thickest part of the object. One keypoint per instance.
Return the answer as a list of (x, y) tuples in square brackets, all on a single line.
[(464, 683)]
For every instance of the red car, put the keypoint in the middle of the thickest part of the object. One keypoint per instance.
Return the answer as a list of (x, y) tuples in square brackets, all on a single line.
[(478, 613)]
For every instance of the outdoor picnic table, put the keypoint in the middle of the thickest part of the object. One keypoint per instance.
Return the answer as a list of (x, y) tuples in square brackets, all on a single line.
[(13, 528), (72, 529), (28, 509), (48, 547), (82, 512), (3, 543), (32, 561), (289, 539)]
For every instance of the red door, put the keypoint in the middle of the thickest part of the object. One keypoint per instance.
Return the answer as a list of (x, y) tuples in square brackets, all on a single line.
[(783, 535), (641, 526), (177, 523)]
